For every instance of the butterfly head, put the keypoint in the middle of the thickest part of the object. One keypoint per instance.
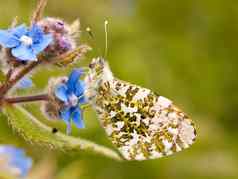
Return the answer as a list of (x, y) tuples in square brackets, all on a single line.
[(99, 73), (100, 70), (97, 65)]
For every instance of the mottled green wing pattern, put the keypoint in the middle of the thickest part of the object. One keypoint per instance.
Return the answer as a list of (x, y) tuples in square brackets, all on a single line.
[(141, 124)]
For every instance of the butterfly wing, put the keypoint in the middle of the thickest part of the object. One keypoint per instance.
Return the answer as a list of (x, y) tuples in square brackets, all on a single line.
[(141, 124)]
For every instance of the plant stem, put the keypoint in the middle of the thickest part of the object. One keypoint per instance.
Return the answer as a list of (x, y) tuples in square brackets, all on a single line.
[(9, 73), (38, 13), (21, 99)]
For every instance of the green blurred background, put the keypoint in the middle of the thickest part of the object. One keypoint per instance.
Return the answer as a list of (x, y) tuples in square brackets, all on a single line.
[(185, 50)]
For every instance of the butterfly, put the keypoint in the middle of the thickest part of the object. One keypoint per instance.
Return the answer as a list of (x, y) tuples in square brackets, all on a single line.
[(140, 123)]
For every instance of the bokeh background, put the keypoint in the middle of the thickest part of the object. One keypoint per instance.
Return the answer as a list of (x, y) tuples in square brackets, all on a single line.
[(185, 50)]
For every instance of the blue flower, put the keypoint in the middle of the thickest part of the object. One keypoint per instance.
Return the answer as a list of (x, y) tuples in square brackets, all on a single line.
[(25, 43), (14, 161), (71, 93), (24, 83)]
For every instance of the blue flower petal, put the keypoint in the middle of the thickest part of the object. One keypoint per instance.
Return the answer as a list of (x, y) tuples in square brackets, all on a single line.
[(36, 34), (61, 92), (20, 161), (79, 88), (7, 40), (26, 166), (19, 31), (24, 53), (39, 47), (73, 79), (24, 83), (82, 100), (66, 116), (78, 118)]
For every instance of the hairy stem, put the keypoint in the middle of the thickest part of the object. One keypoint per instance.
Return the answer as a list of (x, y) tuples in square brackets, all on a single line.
[(38, 13), (9, 73), (22, 99)]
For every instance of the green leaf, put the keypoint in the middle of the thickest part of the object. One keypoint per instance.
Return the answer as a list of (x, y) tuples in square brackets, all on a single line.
[(35, 132)]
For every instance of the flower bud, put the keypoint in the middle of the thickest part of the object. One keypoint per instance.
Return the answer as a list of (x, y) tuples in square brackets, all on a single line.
[(63, 41), (52, 107)]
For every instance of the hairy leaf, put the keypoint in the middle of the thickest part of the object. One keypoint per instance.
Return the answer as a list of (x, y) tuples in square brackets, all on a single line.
[(37, 133)]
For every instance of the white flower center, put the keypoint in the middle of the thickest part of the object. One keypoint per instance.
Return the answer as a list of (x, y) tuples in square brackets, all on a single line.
[(26, 40), (73, 100)]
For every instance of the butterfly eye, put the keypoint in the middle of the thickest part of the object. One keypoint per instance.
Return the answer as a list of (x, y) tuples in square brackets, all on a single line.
[(91, 65)]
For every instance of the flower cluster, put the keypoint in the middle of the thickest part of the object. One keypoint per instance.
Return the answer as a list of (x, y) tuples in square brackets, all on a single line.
[(66, 98), (25, 43), (47, 40), (14, 162)]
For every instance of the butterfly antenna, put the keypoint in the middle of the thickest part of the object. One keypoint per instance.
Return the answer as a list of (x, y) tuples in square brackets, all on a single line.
[(106, 38), (92, 36), (90, 33)]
